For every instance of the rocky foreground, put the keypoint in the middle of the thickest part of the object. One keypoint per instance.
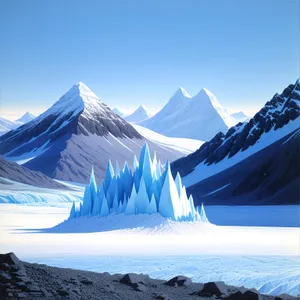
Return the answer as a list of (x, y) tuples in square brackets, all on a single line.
[(34, 281)]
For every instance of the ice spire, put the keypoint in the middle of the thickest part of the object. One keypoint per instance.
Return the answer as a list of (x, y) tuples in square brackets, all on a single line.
[(151, 207), (169, 200), (72, 212), (104, 208), (98, 202), (93, 180), (135, 163), (203, 214), (178, 183), (117, 169), (108, 177), (145, 191), (131, 205)]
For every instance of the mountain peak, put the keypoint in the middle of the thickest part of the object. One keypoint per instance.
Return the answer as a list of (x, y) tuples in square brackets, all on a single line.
[(182, 92), (26, 117), (140, 114)]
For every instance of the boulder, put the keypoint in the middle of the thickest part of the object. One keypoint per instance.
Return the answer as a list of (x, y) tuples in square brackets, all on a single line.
[(179, 281), (9, 258), (248, 295), (140, 287), (132, 278), (213, 289)]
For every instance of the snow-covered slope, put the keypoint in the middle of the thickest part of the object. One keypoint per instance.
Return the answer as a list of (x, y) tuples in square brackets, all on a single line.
[(140, 114), (266, 148), (240, 116), (199, 117), (118, 112), (27, 117), (183, 145), (15, 172), (78, 131)]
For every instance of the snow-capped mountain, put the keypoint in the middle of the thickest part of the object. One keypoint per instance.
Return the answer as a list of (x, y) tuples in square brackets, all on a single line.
[(118, 112), (7, 125), (140, 114), (255, 162), (27, 117), (199, 117), (78, 131), (241, 116)]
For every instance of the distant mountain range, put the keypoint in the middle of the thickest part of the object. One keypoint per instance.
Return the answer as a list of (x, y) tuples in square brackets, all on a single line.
[(7, 125), (256, 162), (241, 116), (140, 114), (79, 131), (199, 117)]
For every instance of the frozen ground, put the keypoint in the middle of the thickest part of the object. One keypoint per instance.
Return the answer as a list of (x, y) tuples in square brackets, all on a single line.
[(264, 258)]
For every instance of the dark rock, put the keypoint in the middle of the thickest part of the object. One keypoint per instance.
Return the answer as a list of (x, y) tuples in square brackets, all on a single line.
[(212, 289), (4, 277), (2, 291), (34, 288), (162, 297), (21, 285), (132, 278), (9, 258), (76, 291), (285, 297), (248, 295), (4, 266), (179, 281), (21, 295), (19, 273), (139, 287), (86, 281), (62, 292)]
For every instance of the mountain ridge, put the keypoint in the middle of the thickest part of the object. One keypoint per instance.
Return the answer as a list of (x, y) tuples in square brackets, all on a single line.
[(69, 137), (245, 141), (140, 114), (198, 117)]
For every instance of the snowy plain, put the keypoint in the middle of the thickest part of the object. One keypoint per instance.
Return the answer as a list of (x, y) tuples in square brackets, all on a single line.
[(266, 258)]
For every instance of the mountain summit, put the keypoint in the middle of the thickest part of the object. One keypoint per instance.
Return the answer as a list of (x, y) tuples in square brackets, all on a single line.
[(199, 117), (27, 117), (254, 162), (76, 132), (140, 114)]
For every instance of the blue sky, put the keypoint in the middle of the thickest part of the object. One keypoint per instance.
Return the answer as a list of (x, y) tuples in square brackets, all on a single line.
[(140, 52)]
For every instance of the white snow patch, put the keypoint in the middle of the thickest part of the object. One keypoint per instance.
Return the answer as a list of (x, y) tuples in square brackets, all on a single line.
[(183, 145)]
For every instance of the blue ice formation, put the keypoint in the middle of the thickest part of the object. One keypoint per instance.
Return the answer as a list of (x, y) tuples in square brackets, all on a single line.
[(147, 190)]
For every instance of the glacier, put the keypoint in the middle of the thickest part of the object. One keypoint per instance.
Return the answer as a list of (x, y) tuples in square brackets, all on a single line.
[(149, 189)]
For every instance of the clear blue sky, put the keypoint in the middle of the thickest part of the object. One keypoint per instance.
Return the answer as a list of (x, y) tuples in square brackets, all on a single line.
[(140, 52)]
